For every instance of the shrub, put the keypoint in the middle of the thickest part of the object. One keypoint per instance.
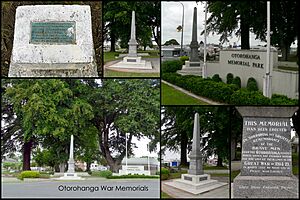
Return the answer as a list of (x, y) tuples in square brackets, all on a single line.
[(222, 92), (165, 173), (237, 81), (278, 99), (28, 174), (183, 59), (171, 66), (252, 84), (105, 173), (216, 78), (245, 97), (229, 78)]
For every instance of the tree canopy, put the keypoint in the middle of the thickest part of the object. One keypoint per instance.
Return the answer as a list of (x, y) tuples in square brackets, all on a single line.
[(45, 112), (117, 22), (241, 17)]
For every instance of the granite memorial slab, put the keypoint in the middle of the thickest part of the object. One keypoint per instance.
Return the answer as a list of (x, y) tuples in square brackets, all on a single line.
[(266, 161), (53, 40)]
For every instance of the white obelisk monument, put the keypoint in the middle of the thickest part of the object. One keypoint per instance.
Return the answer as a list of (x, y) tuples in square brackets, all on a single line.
[(71, 174), (196, 181), (132, 60)]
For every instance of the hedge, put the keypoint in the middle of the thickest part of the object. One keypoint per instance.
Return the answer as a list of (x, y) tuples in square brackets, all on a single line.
[(237, 81), (278, 99), (229, 78), (171, 66), (222, 92), (252, 84), (105, 173), (165, 173), (216, 78), (183, 59), (28, 174), (131, 176)]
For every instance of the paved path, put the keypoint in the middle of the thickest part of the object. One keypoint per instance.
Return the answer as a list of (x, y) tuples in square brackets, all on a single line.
[(154, 61), (222, 192), (121, 188), (193, 95)]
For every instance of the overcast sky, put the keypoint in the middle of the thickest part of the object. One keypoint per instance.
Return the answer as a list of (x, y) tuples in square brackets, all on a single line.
[(172, 18)]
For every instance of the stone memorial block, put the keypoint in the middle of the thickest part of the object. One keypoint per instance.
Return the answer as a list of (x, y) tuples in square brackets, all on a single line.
[(266, 163), (53, 40)]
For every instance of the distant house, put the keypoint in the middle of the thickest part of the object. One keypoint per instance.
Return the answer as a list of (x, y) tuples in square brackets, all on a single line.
[(153, 162), (171, 52)]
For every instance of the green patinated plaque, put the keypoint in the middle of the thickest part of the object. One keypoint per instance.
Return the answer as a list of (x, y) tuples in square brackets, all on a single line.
[(53, 33)]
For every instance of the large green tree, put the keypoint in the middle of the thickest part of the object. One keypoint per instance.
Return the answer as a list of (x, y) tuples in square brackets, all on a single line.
[(125, 107), (99, 113), (48, 113), (241, 17)]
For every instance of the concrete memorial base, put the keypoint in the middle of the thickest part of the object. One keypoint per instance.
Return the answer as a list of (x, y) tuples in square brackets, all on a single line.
[(132, 63), (265, 187), (53, 69), (191, 68), (195, 184), (70, 176)]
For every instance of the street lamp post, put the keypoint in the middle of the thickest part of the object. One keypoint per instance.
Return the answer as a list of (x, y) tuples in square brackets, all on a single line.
[(204, 74), (181, 47), (126, 153), (267, 82)]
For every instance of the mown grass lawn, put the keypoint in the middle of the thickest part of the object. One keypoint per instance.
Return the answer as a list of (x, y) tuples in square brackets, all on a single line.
[(171, 96), (165, 195), (110, 56), (112, 73)]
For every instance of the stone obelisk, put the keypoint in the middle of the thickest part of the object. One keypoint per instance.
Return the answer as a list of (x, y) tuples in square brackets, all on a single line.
[(71, 162), (194, 57), (195, 182), (132, 52), (195, 167), (132, 60), (192, 66), (71, 174)]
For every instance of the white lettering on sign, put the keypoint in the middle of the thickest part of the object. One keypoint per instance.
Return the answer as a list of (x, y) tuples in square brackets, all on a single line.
[(245, 63)]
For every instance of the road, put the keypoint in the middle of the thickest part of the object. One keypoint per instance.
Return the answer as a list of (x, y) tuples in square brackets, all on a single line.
[(82, 189)]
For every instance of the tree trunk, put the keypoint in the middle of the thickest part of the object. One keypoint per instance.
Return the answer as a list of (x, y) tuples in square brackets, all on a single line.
[(27, 155), (298, 35), (56, 168), (233, 145), (183, 149), (88, 166), (114, 163), (145, 47), (245, 28), (285, 48), (220, 162), (62, 167), (112, 42)]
